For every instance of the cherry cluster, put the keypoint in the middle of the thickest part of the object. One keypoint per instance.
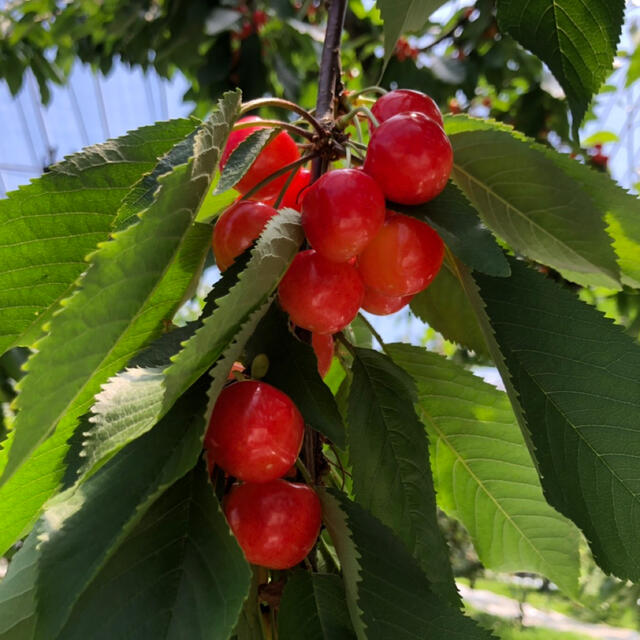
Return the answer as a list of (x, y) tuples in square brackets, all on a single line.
[(255, 435), (361, 254)]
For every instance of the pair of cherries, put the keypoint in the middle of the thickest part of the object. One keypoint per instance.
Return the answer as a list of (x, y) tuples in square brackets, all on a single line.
[(255, 435)]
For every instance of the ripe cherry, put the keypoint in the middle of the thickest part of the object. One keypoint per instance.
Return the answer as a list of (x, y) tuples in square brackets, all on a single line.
[(410, 157), (403, 100), (281, 151), (381, 305), (255, 432), (320, 295), (276, 523), (403, 258), (342, 212), (292, 198), (237, 228), (323, 346)]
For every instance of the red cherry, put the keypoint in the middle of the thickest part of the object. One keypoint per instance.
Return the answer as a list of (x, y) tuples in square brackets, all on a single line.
[(381, 305), (295, 192), (403, 100), (410, 157), (454, 107), (237, 228), (403, 258), (255, 432), (320, 295), (342, 212), (281, 151), (323, 346), (276, 523)]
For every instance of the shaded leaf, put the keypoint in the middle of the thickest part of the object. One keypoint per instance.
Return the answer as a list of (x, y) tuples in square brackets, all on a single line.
[(49, 226), (193, 587), (389, 455), (483, 471), (522, 197), (458, 224), (387, 594), (573, 379), (576, 39), (313, 606)]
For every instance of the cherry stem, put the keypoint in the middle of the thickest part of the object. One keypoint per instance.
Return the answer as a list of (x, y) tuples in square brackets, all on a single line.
[(278, 173), (298, 131), (378, 90), (304, 472), (284, 104), (344, 121), (373, 332), (285, 186)]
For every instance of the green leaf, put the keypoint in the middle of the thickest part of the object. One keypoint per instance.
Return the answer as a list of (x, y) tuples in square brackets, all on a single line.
[(600, 137), (400, 16), (633, 70), (457, 222), (313, 606), (293, 368), (389, 455), (387, 594), (573, 379), (134, 282), (49, 226), (179, 574), (444, 306), (92, 519), (576, 39), (242, 157), (484, 474), (521, 195), (127, 294), (132, 402)]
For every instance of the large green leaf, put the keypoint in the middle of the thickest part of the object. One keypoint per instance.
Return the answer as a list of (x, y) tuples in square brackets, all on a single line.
[(573, 379), (400, 16), (293, 368), (179, 574), (313, 606), (134, 282), (576, 39), (484, 474), (132, 402), (49, 226), (389, 455), (84, 525), (445, 307), (387, 594), (521, 195), (457, 222)]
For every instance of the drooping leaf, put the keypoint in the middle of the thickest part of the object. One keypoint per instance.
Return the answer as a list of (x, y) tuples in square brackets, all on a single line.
[(400, 16), (49, 226), (313, 606), (293, 368), (483, 471), (457, 223), (242, 157), (135, 283), (573, 379), (523, 197), (576, 39), (389, 455), (179, 574), (388, 596), (443, 305), (131, 403)]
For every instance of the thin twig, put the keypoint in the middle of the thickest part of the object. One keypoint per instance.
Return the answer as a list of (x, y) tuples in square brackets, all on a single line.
[(284, 104), (276, 174)]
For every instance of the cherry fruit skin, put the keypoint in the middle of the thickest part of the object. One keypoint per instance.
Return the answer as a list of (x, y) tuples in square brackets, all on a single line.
[(281, 151), (276, 523), (403, 100), (320, 295), (410, 157), (403, 258), (237, 228), (323, 346), (255, 432), (381, 305), (342, 212)]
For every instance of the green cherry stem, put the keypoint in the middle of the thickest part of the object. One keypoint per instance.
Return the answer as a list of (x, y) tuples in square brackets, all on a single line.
[(373, 332), (346, 119), (278, 124), (304, 472), (379, 90), (285, 186), (284, 104)]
